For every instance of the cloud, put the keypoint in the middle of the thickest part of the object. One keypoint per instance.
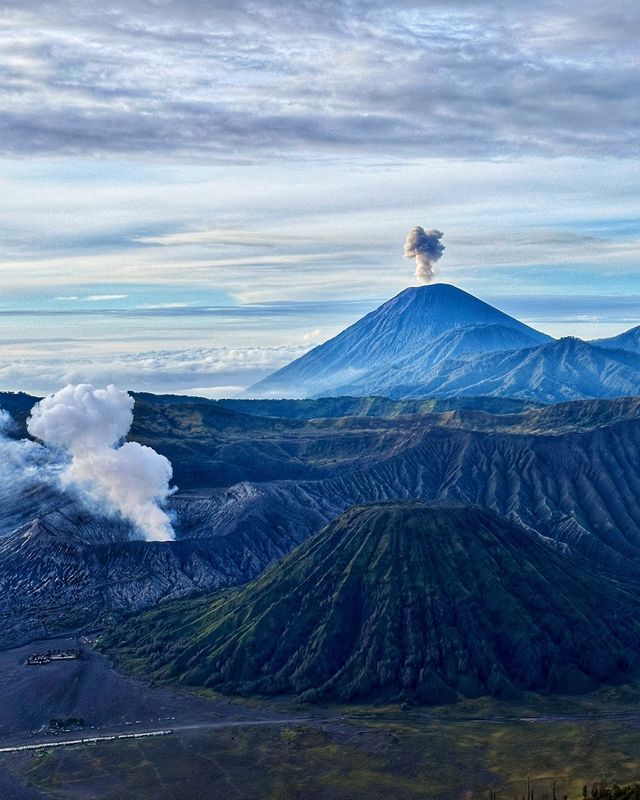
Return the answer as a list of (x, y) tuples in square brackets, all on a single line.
[(87, 426), (6, 422), (81, 418), (26, 469), (170, 371), (203, 81), (95, 298), (165, 306), (181, 370), (224, 237), (92, 298)]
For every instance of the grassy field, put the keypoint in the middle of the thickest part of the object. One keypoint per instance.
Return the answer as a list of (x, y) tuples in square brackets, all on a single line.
[(386, 754)]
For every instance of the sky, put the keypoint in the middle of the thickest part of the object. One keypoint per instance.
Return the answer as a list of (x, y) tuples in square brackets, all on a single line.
[(193, 193)]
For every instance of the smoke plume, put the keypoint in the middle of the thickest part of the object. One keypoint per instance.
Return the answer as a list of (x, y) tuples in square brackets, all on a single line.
[(89, 425), (426, 248)]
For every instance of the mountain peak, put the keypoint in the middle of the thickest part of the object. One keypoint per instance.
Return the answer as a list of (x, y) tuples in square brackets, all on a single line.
[(436, 299), (444, 290), (568, 343), (403, 328)]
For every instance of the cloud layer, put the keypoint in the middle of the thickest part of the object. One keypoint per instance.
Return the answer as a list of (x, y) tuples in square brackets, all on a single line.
[(239, 81), (189, 160)]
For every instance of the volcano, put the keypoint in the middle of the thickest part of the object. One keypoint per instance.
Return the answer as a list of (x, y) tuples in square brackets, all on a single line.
[(410, 334), (401, 601)]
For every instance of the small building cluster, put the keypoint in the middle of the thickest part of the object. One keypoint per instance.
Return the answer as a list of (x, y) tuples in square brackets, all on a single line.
[(66, 724), (38, 659)]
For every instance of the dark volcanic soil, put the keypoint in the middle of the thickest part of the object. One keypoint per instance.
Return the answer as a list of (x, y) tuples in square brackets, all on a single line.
[(30, 696)]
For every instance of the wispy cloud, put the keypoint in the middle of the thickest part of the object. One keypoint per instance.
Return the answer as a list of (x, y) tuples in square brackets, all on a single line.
[(96, 298), (226, 236), (164, 306), (232, 82), (91, 298)]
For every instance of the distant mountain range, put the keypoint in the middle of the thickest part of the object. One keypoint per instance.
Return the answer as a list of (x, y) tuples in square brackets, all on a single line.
[(398, 602), (438, 341)]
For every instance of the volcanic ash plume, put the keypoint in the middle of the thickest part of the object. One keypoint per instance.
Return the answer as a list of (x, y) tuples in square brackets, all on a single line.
[(128, 479), (426, 248)]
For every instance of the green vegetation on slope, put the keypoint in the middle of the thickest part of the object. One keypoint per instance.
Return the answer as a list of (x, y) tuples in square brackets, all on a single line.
[(602, 791), (399, 601)]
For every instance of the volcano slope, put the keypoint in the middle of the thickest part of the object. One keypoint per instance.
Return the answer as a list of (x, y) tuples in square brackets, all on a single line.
[(399, 342), (253, 487), (570, 471), (401, 601), (439, 341)]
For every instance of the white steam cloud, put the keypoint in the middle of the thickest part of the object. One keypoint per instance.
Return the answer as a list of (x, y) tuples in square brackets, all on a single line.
[(426, 248), (22, 462), (89, 425), (6, 422)]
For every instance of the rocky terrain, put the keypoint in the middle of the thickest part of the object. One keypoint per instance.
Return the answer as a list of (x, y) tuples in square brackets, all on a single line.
[(251, 488), (569, 471)]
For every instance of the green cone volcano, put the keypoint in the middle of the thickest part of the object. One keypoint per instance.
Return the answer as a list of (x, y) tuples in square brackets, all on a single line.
[(401, 601)]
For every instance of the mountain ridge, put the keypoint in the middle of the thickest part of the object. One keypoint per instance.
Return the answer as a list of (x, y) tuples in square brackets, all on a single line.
[(565, 369), (628, 340)]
